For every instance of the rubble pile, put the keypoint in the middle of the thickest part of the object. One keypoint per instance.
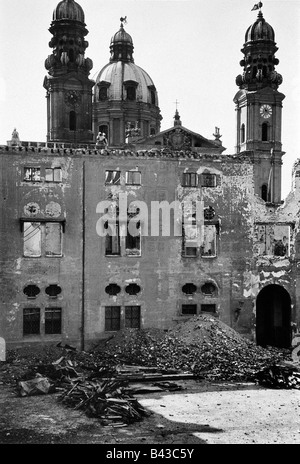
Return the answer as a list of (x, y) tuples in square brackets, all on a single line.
[(203, 345), (279, 376)]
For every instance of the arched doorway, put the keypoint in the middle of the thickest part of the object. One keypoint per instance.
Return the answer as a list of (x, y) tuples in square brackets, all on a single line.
[(273, 317)]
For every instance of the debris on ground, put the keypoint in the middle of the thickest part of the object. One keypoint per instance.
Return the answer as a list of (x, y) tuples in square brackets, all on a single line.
[(279, 376), (37, 386)]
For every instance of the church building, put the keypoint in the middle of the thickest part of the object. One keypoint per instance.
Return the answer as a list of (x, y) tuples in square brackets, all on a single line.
[(72, 270)]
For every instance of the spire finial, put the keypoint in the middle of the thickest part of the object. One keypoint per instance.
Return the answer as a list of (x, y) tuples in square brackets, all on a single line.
[(258, 6), (123, 21)]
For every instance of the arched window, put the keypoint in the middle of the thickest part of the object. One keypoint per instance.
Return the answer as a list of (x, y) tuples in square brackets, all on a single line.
[(264, 192), (152, 131), (72, 121), (243, 133), (264, 132)]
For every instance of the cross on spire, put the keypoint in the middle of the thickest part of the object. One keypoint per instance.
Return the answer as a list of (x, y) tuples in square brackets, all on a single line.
[(176, 103)]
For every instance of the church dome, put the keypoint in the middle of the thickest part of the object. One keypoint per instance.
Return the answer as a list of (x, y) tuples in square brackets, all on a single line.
[(68, 9), (121, 36), (260, 30), (118, 77)]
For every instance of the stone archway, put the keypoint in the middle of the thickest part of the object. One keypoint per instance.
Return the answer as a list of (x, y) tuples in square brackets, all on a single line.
[(273, 317)]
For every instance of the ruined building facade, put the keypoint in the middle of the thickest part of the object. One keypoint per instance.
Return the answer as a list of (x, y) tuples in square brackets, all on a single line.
[(62, 280)]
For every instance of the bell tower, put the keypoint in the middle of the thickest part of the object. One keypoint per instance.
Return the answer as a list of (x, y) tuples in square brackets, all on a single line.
[(258, 109), (69, 89)]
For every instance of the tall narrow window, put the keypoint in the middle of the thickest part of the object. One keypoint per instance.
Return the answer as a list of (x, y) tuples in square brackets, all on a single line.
[(153, 97), (189, 235), (209, 249), (53, 321), (243, 133), (31, 321), (112, 318), (72, 121), (71, 55), (133, 317), (53, 239), (32, 239), (264, 132), (112, 238), (103, 93), (131, 93), (264, 192), (133, 237)]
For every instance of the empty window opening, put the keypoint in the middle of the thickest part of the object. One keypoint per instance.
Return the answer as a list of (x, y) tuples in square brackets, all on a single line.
[(113, 289), (208, 180), (208, 308), (112, 177), (31, 291), (190, 179), (112, 318), (53, 321), (152, 131), (265, 132), (208, 249), (209, 213), (131, 93), (71, 55), (133, 289), (103, 93), (133, 237), (53, 175), (208, 288), (243, 133), (153, 100), (112, 238), (189, 309), (264, 192), (72, 121), (133, 317), (53, 242), (53, 290), (133, 178), (31, 321), (32, 174), (189, 288)]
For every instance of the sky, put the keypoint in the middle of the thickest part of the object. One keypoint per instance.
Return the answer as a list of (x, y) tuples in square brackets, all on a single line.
[(190, 48)]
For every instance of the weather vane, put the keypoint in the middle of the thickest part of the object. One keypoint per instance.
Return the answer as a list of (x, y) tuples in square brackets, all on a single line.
[(123, 20), (257, 6)]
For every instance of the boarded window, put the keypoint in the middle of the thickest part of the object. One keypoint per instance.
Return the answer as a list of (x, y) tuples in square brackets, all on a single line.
[(190, 179), (31, 321), (208, 308), (53, 239), (53, 175), (112, 177), (133, 178), (112, 318), (208, 249), (208, 180), (53, 321), (32, 174), (133, 317), (189, 309), (32, 239)]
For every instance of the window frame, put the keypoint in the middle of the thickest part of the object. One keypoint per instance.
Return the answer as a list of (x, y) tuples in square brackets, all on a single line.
[(53, 310), (54, 169), (208, 175), (31, 168), (110, 319), (131, 174), (132, 309), (187, 179), (186, 305), (33, 310), (112, 182), (43, 237)]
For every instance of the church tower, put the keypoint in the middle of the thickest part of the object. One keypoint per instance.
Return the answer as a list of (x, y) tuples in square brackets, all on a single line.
[(258, 109), (69, 90), (125, 105)]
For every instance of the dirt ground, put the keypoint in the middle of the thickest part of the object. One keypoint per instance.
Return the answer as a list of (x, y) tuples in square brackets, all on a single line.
[(201, 413)]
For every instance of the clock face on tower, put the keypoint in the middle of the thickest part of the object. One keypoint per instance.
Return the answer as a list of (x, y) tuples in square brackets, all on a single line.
[(266, 111)]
